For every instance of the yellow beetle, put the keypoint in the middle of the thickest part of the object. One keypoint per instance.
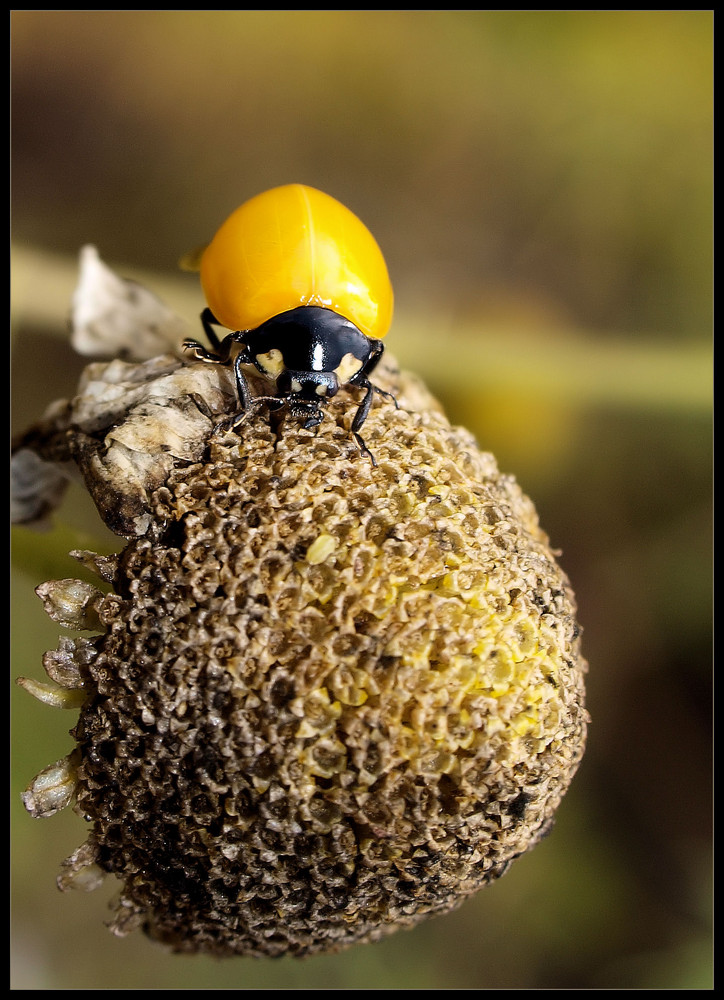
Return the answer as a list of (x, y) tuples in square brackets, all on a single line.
[(304, 288)]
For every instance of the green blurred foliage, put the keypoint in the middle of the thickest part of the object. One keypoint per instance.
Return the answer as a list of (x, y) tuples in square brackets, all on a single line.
[(541, 184)]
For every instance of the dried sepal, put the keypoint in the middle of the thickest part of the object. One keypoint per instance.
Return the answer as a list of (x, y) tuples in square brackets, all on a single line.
[(53, 789), (51, 694), (104, 567), (37, 487), (71, 603), (127, 917), (81, 871), (68, 664)]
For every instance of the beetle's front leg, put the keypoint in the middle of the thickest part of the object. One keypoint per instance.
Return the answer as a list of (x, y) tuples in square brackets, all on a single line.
[(387, 395), (377, 349), (360, 417), (363, 410), (201, 353), (242, 391), (242, 386), (222, 348), (208, 321)]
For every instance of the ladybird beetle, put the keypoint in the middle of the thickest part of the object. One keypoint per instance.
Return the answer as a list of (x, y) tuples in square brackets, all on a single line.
[(304, 288)]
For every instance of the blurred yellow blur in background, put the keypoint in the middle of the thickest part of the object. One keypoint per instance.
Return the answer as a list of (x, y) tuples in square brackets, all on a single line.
[(541, 185)]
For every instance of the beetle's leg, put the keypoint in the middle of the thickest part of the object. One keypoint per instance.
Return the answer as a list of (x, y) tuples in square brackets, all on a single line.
[(364, 450), (360, 417), (389, 395), (242, 386), (363, 410), (200, 352), (208, 321), (221, 347), (315, 417), (377, 349), (243, 393)]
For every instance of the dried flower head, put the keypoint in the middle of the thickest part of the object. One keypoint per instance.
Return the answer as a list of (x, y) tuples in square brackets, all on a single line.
[(321, 699)]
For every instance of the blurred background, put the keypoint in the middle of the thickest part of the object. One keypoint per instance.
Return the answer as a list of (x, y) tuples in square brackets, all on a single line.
[(541, 185)]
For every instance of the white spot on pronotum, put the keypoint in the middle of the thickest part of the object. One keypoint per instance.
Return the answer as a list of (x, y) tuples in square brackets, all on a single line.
[(347, 368), (272, 362), (318, 358)]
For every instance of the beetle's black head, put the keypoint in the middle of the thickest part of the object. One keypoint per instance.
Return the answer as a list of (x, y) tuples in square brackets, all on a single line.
[(305, 385), (306, 392)]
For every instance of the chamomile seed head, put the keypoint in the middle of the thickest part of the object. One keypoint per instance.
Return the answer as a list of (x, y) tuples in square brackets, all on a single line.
[(324, 699)]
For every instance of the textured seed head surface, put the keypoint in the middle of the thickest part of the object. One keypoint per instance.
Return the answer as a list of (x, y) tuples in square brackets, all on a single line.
[(325, 698)]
